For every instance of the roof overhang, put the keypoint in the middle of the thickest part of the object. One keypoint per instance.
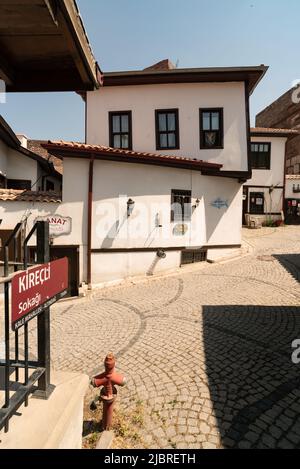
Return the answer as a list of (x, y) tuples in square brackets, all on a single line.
[(8, 136), (273, 132), (250, 75), (44, 47), (97, 152)]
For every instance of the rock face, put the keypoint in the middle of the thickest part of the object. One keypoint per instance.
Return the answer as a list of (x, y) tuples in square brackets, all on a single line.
[(284, 113)]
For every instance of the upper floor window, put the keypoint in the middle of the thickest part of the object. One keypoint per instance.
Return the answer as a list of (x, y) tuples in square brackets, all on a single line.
[(120, 130), (261, 155), (211, 129), (167, 129)]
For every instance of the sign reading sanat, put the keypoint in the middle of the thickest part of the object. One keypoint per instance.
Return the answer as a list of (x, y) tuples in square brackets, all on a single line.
[(36, 289)]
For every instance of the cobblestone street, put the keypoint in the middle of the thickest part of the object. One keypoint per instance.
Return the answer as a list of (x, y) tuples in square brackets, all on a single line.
[(206, 350)]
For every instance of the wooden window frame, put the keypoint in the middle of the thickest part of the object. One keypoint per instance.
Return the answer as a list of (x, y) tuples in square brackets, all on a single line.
[(182, 193), (158, 112), (220, 145), (267, 166), (257, 195), (112, 134)]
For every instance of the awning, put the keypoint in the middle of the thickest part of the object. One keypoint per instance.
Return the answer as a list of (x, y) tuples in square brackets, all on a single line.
[(44, 47)]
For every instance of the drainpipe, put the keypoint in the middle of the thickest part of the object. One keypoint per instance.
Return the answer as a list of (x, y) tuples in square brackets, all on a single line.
[(90, 221), (284, 181)]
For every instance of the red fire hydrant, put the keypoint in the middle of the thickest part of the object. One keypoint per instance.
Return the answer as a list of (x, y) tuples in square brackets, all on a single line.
[(109, 380)]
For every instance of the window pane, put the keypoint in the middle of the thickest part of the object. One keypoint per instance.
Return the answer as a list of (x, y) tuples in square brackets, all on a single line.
[(172, 140), (206, 121), (162, 122), (125, 141), (252, 147), (125, 123), (210, 139), (116, 124), (261, 148), (117, 141), (215, 121), (256, 148), (266, 148), (171, 122), (163, 140)]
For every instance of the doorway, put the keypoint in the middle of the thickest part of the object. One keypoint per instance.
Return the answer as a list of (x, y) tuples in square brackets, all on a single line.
[(72, 253)]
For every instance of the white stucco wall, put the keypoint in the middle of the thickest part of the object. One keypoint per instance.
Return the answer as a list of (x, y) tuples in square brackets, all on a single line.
[(150, 187), (21, 167), (263, 180), (290, 183), (188, 98), (274, 176)]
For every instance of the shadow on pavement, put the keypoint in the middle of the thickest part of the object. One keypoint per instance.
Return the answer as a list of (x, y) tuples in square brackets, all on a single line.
[(291, 262), (254, 385)]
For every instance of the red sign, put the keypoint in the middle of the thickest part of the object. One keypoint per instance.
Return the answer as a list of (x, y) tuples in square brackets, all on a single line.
[(36, 289)]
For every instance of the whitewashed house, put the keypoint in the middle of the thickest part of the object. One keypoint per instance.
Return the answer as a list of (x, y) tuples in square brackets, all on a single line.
[(159, 181), (264, 193), (292, 199), (30, 186)]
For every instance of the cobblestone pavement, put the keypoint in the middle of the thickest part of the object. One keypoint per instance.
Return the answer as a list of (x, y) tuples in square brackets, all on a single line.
[(207, 350)]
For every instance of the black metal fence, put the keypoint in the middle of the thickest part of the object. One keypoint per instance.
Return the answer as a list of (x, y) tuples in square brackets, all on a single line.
[(36, 374)]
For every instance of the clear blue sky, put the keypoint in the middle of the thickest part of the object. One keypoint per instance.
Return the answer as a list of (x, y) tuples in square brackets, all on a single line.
[(133, 34)]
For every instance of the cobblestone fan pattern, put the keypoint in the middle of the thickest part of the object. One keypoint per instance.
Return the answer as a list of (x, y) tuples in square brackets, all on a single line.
[(207, 350)]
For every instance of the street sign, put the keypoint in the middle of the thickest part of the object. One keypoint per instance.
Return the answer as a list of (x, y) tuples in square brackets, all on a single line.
[(58, 225), (36, 289)]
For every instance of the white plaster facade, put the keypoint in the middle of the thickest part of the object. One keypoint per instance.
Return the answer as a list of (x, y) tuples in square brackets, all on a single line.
[(188, 98), (125, 246), (150, 187), (269, 182)]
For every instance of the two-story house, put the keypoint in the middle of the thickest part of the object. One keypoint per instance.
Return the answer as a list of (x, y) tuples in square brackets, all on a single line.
[(160, 178), (264, 193)]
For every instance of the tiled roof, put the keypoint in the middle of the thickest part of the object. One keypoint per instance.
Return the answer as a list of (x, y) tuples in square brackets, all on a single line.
[(29, 196), (267, 130), (133, 156), (36, 147), (293, 176)]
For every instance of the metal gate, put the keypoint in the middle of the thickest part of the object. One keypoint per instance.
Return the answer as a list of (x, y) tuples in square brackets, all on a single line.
[(35, 374)]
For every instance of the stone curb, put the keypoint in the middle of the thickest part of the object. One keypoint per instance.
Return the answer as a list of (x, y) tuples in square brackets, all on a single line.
[(106, 440)]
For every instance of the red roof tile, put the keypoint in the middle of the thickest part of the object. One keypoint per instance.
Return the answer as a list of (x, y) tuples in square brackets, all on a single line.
[(12, 195), (278, 132), (127, 155)]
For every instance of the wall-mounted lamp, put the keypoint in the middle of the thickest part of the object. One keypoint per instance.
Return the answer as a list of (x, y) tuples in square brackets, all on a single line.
[(197, 203), (130, 207)]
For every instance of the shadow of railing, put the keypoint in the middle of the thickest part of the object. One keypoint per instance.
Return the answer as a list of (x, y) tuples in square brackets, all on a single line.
[(254, 385)]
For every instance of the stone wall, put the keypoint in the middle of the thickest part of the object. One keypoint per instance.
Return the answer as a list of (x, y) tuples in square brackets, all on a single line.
[(284, 114)]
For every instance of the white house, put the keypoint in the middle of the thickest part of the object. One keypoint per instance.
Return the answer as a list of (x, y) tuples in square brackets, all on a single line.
[(22, 169), (159, 181), (263, 201), (25, 182), (292, 199)]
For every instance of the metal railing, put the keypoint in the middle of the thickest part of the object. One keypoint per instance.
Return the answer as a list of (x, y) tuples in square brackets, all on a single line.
[(40, 369)]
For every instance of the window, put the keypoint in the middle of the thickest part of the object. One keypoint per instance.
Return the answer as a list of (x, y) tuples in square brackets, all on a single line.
[(120, 130), (211, 129), (257, 203), (261, 155), (18, 184), (167, 129), (181, 206)]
